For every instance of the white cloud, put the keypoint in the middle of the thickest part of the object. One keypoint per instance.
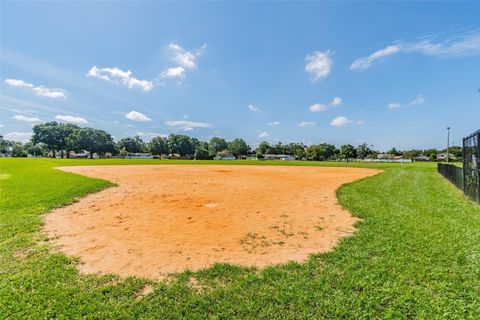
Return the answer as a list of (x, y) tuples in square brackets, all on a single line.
[(252, 108), (360, 122), (119, 76), (40, 90), (340, 121), (366, 62), (187, 125), (264, 134), (177, 72), (150, 135), (319, 64), (307, 124), (462, 45), (420, 99), (187, 59), (394, 105), (274, 123), (137, 116), (336, 101), (51, 93), (71, 119), (19, 117), (18, 83), (317, 107), (18, 136)]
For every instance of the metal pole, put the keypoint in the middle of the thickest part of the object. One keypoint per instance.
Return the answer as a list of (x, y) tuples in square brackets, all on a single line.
[(448, 144)]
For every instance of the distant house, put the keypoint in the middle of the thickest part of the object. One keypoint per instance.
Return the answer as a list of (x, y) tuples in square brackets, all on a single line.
[(80, 155), (443, 157), (138, 155), (225, 157), (385, 156), (422, 158), (174, 156), (285, 157)]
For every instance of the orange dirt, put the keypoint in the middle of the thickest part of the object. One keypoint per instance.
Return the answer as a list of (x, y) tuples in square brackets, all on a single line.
[(167, 218)]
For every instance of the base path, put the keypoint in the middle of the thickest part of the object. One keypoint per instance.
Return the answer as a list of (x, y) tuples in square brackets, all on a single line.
[(168, 218)]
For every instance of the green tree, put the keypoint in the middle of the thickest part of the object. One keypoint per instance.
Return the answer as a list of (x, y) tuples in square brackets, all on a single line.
[(134, 145), (5, 146), (238, 147), (35, 149), (93, 141), (295, 149), (202, 153), (264, 147), (54, 135), (347, 151), (158, 145), (300, 153), (410, 154), (181, 144), (363, 151), (322, 151), (394, 152), (18, 150), (216, 145)]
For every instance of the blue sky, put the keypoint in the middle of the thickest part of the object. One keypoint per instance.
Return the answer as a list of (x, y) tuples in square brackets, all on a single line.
[(389, 74)]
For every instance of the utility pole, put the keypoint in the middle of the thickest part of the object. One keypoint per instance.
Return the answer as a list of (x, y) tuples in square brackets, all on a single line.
[(448, 144)]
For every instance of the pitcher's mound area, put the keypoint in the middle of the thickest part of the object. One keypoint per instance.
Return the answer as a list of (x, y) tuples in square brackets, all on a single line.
[(167, 218)]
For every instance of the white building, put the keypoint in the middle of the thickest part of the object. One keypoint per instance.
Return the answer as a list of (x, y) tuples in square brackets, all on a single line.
[(285, 157)]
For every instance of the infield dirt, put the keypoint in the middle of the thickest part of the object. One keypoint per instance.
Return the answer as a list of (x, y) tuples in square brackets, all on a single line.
[(168, 218)]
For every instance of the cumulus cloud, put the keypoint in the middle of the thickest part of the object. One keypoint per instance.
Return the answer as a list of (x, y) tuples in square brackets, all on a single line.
[(274, 123), (187, 125), (252, 108), (71, 119), (317, 107), (186, 59), (307, 124), (39, 90), (467, 44), (178, 73), (121, 77), (336, 101), (137, 116), (20, 117), (18, 83), (340, 121), (18, 136), (319, 64), (264, 134)]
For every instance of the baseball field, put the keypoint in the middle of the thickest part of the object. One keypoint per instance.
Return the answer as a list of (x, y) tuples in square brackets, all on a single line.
[(151, 239)]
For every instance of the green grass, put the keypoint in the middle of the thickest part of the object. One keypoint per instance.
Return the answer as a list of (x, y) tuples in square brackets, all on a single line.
[(416, 255)]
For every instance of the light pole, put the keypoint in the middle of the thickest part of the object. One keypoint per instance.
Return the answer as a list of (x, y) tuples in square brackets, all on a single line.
[(448, 144)]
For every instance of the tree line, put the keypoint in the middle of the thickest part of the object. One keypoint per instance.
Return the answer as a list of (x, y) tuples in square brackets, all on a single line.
[(53, 138)]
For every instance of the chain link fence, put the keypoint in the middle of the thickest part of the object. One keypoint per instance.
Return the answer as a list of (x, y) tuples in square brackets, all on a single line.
[(471, 166), (468, 177)]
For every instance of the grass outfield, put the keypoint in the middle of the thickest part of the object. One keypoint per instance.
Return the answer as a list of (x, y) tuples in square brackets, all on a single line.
[(416, 255)]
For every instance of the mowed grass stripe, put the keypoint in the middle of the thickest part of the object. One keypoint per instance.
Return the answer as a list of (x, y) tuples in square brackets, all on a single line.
[(416, 255)]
